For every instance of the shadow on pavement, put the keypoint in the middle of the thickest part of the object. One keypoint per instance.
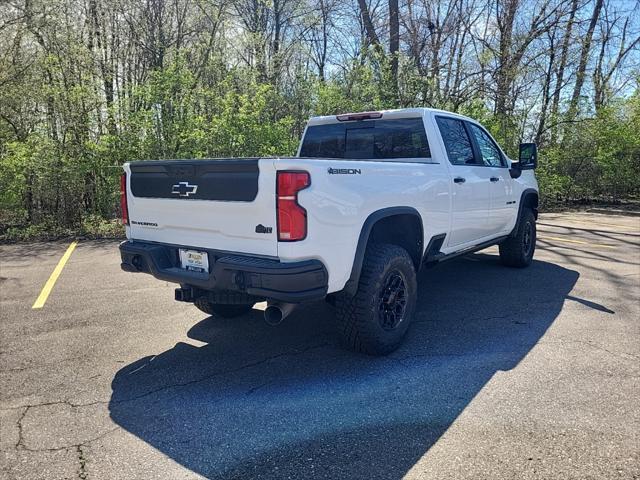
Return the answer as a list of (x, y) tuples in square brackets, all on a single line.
[(255, 401)]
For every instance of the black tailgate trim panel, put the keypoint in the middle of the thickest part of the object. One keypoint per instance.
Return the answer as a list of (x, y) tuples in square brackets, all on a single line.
[(216, 179)]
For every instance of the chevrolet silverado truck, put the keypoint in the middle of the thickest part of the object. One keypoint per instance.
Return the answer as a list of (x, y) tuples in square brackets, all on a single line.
[(369, 200)]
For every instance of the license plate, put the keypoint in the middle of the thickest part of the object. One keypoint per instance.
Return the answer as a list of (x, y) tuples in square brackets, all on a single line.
[(194, 260)]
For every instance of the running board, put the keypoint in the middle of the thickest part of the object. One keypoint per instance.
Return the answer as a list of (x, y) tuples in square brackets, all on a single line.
[(433, 257)]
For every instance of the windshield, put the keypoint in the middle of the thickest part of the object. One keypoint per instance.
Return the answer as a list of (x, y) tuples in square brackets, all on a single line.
[(369, 139)]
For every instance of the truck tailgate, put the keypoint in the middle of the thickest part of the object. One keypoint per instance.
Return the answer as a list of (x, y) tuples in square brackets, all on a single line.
[(223, 204)]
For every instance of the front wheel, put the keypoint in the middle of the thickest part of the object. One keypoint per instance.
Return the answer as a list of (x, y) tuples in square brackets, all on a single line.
[(222, 310), (376, 319), (517, 251)]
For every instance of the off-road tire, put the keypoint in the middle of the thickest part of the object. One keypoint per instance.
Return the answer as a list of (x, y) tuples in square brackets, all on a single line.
[(364, 318), (517, 251), (222, 310)]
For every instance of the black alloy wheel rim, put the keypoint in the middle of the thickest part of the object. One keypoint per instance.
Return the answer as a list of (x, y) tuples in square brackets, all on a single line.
[(527, 238), (392, 301)]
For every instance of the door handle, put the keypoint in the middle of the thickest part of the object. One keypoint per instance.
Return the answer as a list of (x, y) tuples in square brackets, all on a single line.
[(494, 179), (459, 180)]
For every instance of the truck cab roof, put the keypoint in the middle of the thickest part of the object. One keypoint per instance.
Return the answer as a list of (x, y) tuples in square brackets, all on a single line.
[(385, 114)]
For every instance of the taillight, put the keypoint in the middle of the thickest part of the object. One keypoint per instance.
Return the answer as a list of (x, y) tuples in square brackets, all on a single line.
[(292, 218), (123, 199)]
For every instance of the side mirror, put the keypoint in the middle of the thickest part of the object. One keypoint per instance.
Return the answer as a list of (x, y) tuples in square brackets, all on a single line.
[(528, 156)]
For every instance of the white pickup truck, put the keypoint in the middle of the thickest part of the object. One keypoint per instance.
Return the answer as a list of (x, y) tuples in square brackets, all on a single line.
[(369, 200)]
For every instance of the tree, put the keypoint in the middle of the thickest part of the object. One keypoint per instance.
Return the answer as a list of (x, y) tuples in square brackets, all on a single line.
[(88, 84)]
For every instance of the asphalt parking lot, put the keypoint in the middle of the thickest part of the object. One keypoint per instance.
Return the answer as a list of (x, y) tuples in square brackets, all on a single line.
[(506, 373)]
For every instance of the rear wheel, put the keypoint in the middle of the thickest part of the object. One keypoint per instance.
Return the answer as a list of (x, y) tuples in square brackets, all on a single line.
[(517, 251), (221, 309), (376, 319)]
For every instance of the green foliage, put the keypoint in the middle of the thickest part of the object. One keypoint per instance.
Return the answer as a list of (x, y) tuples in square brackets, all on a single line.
[(55, 182), (598, 157), (57, 187)]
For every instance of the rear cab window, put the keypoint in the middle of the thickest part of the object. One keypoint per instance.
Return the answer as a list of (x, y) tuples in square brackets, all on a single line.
[(402, 138)]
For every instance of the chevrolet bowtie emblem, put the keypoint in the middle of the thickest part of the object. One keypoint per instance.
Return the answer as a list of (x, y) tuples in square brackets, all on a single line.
[(183, 189)]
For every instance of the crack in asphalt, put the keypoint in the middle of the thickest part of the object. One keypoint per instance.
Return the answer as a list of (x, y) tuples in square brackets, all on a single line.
[(21, 446), (474, 354), (79, 447), (469, 318), (20, 441), (595, 346), (173, 385), (256, 388), (82, 459), (41, 365), (82, 472), (217, 374)]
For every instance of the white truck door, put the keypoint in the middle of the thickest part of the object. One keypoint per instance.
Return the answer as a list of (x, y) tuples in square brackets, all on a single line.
[(471, 189), (503, 203)]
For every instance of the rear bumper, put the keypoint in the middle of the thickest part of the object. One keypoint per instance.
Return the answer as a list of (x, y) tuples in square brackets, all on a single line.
[(287, 282)]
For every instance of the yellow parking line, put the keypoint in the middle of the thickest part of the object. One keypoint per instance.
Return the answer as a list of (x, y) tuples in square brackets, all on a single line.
[(566, 240), (46, 290)]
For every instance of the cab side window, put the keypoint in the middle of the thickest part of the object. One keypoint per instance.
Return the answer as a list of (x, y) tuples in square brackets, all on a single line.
[(489, 151), (456, 141)]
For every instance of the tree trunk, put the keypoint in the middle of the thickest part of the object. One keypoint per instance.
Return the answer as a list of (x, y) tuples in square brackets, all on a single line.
[(275, 45), (370, 30), (394, 43), (564, 53), (546, 96), (505, 73), (584, 57)]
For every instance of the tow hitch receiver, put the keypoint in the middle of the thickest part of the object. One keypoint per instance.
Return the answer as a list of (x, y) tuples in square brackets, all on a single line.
[(184, 295)]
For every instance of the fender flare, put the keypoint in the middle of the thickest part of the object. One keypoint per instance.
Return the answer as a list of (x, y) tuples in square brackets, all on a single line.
[(527, 192), (352, 283)]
